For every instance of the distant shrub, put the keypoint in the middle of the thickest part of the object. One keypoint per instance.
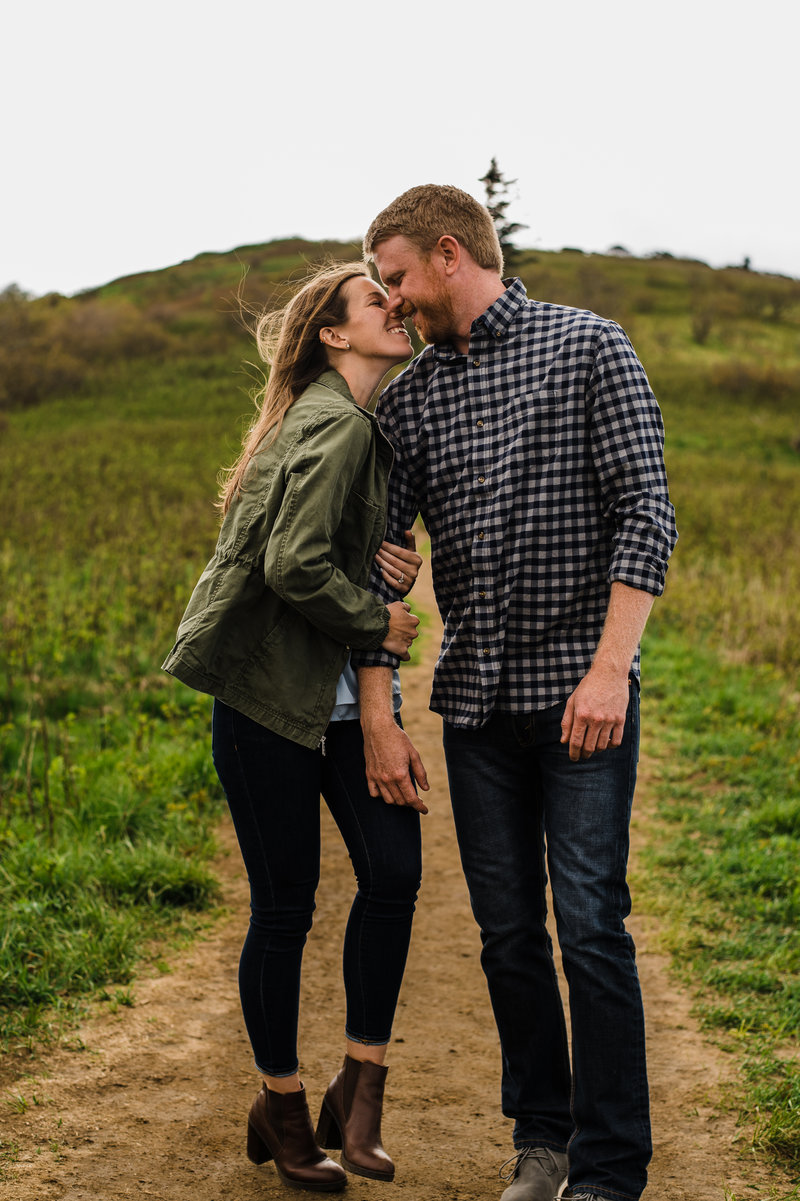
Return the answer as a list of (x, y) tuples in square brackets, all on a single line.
[(767, 298), (758, 381), (52, 345), (712, 305), (108, 330), (643, 302), (601, 292), (702, 321)]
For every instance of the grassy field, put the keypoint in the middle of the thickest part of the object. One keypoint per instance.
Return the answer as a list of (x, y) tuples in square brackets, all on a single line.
[(117, 409)]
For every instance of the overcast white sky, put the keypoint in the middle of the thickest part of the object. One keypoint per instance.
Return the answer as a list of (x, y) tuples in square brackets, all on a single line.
[(138, 135)]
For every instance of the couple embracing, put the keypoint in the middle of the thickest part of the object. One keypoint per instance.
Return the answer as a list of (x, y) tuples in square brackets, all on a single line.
[(527, 438)]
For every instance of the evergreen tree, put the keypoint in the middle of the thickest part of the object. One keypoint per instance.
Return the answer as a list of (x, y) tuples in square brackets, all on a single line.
[(497, 201)]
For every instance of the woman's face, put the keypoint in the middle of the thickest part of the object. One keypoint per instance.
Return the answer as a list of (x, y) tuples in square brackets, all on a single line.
[(369, 329)]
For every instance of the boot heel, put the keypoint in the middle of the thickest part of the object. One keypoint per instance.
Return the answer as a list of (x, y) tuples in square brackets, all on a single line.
[(328, 1133), (257, 1149)]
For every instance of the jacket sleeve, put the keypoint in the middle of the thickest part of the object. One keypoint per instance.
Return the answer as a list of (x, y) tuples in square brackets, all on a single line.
[(627, 443), (298, 563)]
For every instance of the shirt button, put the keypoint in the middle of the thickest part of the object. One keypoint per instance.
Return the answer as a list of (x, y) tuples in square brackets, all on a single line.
[(486, 651), (480, 421), (480, 536), (476, 362), (482, 595), (481, 479)]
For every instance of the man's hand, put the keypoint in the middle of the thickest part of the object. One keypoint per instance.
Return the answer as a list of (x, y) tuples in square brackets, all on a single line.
[(594, 717), (392, 760)]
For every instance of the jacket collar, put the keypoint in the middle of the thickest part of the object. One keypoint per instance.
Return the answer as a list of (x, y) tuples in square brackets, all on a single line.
[(336, 382)]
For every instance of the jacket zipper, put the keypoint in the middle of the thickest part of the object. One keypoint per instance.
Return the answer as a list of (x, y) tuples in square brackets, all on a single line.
[(322, 745)]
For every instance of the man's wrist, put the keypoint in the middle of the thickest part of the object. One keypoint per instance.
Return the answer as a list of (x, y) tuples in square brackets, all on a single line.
[(610, 668), (377, 702), (375, 718)]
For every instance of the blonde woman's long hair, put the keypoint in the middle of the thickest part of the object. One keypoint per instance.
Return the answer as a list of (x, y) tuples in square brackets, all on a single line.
[(288, 341)]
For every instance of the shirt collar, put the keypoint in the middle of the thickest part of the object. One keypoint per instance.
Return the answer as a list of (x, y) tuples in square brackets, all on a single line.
[(495, 321)]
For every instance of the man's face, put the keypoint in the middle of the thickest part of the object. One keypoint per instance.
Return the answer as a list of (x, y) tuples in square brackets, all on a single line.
[(417, 287)]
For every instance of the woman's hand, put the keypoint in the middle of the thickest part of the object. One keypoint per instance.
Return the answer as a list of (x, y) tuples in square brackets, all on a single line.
[(400, 564), (402, 629)]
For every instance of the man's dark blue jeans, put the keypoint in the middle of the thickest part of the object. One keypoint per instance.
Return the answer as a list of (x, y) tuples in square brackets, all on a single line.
[(520, 803), (273, 788)]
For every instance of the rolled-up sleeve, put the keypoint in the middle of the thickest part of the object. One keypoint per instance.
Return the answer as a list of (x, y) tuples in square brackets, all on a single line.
[(627, 447)]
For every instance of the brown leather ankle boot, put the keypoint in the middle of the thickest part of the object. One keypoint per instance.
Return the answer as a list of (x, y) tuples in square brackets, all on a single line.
[(350, 1118), (279, 1128)]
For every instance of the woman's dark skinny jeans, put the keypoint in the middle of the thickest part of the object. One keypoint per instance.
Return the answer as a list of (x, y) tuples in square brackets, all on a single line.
[(273, 788)]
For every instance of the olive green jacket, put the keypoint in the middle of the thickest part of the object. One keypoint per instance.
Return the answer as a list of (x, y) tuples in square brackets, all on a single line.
[(271, 619)]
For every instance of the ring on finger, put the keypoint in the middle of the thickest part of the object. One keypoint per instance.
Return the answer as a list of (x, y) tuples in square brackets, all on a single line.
[(401, 577)]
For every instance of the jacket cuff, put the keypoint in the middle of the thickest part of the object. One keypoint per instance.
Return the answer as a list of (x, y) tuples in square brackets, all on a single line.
[(373, 645)]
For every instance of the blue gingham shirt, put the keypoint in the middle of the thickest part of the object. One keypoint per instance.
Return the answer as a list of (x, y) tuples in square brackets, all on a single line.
[(536, 463)]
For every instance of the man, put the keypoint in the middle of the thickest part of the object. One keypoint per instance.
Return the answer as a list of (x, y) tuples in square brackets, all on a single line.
[(528, 438)]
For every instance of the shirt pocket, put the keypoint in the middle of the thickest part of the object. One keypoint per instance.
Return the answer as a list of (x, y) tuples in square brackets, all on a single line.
[(529, 445), (542, 428), (534, 473)]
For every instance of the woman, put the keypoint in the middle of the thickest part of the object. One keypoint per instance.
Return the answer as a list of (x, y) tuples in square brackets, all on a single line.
[(267, 632)]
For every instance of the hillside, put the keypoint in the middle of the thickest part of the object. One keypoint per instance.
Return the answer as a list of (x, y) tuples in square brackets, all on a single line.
[(739, 328)]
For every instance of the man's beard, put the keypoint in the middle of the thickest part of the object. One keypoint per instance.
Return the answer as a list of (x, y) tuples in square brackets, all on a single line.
[(435, 321)]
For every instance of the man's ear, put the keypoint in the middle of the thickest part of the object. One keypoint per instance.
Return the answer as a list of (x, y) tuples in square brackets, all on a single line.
[(449, 249)]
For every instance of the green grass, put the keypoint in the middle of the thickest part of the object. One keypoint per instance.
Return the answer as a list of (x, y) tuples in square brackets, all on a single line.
[(721, 661), (108, 799), (722, 873), (106, 832), (735, 479)]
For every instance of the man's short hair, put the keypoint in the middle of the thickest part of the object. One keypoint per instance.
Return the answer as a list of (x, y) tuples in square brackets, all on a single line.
[(425, 213)]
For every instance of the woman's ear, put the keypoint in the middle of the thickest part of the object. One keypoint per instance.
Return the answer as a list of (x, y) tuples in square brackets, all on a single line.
[(329, 337)]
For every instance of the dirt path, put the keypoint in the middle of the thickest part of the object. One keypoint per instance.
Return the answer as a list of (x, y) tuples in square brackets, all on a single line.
[(154, 1102)]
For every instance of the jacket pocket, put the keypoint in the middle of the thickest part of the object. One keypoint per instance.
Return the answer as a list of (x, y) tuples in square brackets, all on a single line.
[(230, 613), (277, 670), (360, 532)]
